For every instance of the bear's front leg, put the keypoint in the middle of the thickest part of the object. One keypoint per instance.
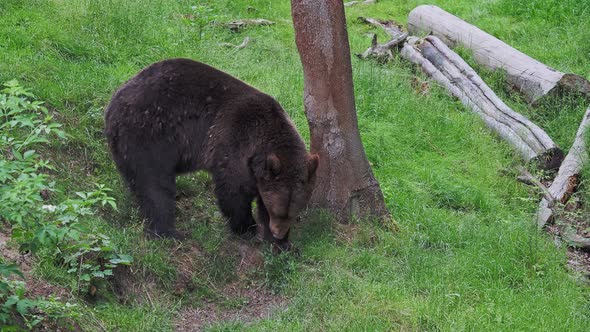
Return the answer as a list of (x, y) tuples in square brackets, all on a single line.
[(237, 207)]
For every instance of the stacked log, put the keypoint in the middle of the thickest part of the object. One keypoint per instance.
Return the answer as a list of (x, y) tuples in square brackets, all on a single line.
[(532, 78), (451, 71)]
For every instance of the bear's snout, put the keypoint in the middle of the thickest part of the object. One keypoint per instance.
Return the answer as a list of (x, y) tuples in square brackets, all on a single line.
[(279, 228)]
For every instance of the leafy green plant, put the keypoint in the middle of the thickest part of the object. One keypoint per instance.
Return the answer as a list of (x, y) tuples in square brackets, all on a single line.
[(199, 17), (25, 124), (13, 301), (12, 296), (94, 259), (61, 229)]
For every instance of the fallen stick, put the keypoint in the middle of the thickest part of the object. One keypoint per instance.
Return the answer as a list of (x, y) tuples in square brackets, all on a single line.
[(241, 24), (573, 239), (447, 68), (531, 77), (391, 28), (366, 2), (528, 178), (566, 181), (238, 47), (382, 52)]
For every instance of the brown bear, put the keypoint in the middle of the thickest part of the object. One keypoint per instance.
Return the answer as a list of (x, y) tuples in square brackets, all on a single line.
[(178, 116)]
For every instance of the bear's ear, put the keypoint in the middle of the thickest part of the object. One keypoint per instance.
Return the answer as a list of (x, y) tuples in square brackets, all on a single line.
[(312, 165), (273, 163)]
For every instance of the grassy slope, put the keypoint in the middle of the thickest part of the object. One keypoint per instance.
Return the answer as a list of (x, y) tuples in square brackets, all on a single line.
[(467, 257)]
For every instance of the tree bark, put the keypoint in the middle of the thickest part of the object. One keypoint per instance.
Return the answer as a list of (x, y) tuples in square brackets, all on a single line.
[(531, 77), (447, 68), (567, 178), (345, 183)]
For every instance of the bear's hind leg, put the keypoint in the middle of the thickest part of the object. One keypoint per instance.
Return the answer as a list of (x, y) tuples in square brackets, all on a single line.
[(156, 197)]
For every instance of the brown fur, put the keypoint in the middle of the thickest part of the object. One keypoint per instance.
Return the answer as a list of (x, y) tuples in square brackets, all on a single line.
[(179, 116)]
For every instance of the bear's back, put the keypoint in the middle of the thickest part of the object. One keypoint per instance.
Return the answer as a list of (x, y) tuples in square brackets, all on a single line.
[(173, 84), (168, 93)]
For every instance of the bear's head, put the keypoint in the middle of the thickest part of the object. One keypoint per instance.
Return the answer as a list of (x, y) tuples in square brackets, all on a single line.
[(285, 182)]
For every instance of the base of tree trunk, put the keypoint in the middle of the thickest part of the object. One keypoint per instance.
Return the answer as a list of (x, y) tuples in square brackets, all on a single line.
[(365, 203), (345, 184)]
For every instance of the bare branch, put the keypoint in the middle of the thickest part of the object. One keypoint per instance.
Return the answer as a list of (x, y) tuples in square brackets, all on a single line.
[(382, 52), (366, 2), (528, 178), (242, 24), (245, 43)]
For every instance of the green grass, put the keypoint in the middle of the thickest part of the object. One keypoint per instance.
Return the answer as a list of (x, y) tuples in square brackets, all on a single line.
[(467, 256)]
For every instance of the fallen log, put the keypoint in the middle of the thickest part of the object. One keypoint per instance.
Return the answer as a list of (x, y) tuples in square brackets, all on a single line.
[(531, 77), (567, 178), (450, 70), (382, 52)]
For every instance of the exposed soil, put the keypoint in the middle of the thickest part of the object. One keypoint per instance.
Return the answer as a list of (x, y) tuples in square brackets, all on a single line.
[(579, 262), (243, 300), (257, 304)]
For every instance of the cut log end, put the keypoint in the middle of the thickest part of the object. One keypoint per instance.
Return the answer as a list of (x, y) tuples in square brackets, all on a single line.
[(572, 83)]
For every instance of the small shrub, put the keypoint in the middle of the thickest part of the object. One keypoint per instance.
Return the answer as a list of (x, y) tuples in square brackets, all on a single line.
[(13, 302), (36, 226)]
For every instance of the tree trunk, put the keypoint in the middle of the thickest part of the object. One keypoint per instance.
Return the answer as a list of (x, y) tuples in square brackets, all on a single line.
[(447, 68), (531, 77), (345, 183), (567, 178)]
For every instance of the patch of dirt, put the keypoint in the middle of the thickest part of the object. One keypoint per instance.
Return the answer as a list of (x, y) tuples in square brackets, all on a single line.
[(579, 262), (241, 300), (255, 304), (128, 287), (188, 261), (573, 230)]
